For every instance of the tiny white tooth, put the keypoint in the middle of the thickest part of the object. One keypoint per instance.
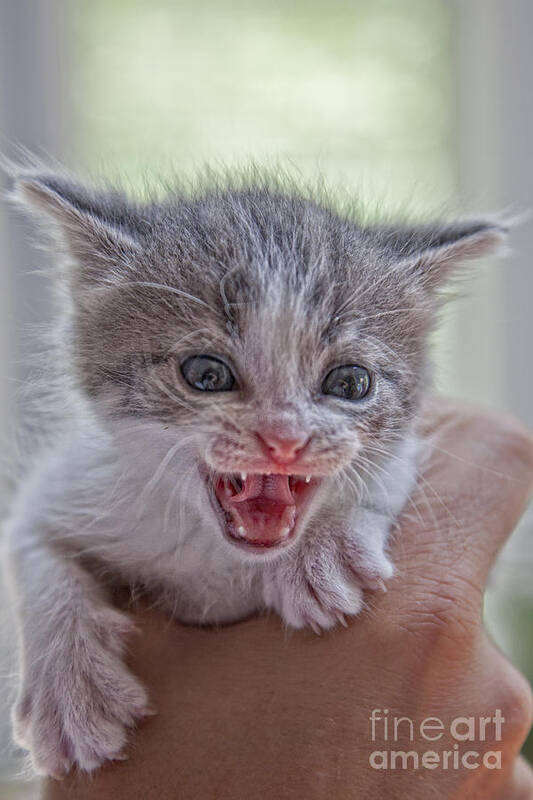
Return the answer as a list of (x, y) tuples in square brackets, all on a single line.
[(244, 475), (285, 531), (241, 531), (307, 478)]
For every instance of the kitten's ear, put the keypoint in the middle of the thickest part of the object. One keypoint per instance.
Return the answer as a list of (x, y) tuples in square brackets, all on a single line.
[(432, 253), (100, 231)]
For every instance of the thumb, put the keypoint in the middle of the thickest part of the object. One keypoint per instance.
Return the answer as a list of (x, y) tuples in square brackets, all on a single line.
[(475, 480)]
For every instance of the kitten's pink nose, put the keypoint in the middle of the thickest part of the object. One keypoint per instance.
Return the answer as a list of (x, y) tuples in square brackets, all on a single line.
[(280, 448)]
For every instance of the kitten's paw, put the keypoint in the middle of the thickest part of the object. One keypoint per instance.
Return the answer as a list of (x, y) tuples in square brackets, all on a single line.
[(367, 562), (324, 580), (78, 700)]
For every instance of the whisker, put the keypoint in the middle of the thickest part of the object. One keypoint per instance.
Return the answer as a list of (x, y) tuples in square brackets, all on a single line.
[(421, 477), (162, 286)]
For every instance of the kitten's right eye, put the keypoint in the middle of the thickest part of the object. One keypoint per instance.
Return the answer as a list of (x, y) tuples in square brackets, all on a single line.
[(208, 374)]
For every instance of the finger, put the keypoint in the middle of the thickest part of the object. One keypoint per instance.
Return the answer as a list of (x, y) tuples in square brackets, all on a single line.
[(475, 481), (521, 785)]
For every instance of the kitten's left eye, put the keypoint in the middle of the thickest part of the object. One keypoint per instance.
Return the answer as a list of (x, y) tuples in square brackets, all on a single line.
[(207, 374), (349, 382)]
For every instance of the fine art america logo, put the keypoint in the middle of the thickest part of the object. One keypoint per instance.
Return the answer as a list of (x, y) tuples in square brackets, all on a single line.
[(463, 738)]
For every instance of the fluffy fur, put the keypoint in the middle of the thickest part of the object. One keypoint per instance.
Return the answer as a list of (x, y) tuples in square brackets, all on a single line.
[(284, 289)]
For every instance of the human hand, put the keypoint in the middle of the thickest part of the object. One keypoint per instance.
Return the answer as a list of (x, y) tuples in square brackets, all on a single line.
[(251, 711)]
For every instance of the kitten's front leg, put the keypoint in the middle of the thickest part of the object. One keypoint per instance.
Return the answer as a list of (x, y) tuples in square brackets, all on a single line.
[(323, 579), (76, 697)]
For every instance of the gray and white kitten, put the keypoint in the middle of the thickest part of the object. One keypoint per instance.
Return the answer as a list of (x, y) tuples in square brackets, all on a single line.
[(244, 370)]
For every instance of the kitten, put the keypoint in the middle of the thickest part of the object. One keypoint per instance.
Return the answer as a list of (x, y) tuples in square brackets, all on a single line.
[(244, 370)]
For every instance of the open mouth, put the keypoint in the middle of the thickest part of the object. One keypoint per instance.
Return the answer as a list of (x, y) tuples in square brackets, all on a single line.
[(262, 511)]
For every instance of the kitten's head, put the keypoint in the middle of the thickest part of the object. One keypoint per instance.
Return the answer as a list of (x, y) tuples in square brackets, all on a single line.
[(282, 344)]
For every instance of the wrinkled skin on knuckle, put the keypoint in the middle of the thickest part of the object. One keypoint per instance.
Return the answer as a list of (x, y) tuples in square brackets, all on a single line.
[(516, 443), (513, 695), (443, 612)]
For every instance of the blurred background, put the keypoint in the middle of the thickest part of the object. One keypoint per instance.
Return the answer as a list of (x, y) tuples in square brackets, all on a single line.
[(408, 104)]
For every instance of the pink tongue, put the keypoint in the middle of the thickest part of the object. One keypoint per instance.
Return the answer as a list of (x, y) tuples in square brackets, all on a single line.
[(267, 487), (264, 509)]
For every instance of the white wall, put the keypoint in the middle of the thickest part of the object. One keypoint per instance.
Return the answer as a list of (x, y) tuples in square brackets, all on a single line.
[(493, 43)]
